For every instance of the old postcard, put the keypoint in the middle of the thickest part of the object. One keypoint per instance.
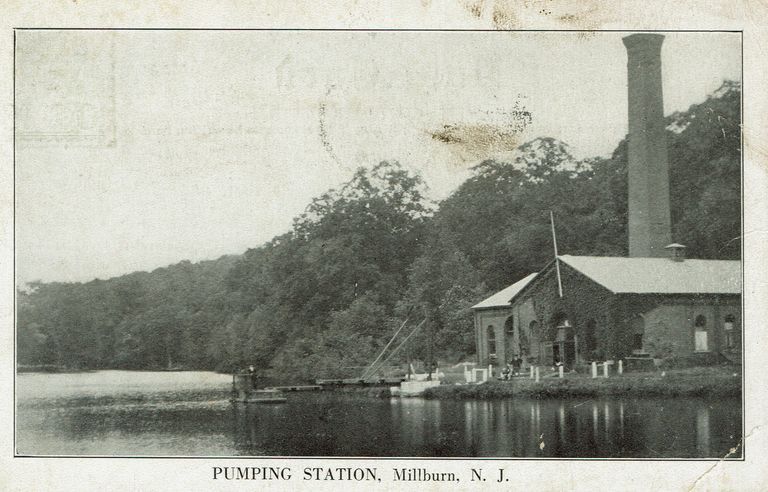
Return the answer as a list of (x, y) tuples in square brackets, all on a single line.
[(477, 245)]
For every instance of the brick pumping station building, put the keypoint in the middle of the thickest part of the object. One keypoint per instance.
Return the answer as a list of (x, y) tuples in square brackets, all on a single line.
[(654, 304)]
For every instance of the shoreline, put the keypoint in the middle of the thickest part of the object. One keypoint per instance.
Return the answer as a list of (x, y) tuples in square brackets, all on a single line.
[(696, 382), (719, 381)]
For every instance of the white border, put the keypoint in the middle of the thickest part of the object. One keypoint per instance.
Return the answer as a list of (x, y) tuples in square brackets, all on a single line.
[(195, 474)]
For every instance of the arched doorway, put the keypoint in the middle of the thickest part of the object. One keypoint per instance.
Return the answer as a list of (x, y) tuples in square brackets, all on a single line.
[(563, 345), (637, 325)]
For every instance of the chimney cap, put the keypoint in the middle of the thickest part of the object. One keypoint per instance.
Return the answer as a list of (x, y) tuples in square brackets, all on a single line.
[(643, 40), (677, 251)]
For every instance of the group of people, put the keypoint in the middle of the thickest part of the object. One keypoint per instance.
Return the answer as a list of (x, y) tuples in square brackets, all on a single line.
[(512, 368)]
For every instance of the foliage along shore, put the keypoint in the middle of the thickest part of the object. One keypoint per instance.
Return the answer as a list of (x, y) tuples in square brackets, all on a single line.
[(698, 382), (323, 299)]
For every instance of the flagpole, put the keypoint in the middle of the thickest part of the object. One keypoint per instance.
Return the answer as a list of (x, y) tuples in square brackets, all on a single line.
[(557, 260)]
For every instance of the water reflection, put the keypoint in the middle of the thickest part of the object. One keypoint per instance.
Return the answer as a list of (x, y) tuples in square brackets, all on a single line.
[(513, 428), (184, 419), (621, 419), (595, 417), (702, 431)]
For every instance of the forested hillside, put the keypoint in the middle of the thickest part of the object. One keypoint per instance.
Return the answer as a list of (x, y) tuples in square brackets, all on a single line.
[(328, 294)]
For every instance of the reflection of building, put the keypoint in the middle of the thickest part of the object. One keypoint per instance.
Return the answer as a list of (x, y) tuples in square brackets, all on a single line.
[(654, 303)]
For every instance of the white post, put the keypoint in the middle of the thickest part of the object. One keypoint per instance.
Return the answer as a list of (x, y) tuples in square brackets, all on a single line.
[(621, 367), (560, 371), (594, 370), (605, 369), (490, 371), (531, 368), (537, 374)]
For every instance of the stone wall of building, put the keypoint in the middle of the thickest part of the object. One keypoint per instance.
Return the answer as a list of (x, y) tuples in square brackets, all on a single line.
[(584, 303), (667, 332), (604, 325), (492, 319), (526, 337), (670, 327), (511, 326)]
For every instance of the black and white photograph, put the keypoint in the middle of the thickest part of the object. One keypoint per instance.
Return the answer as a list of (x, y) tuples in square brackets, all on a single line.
[(372, 243), (430, 245)]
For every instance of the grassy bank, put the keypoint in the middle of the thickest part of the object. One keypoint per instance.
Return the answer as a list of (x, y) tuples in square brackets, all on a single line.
[(703, 381)]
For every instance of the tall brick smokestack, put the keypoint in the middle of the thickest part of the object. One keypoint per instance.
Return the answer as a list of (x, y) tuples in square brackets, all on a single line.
[(649, 222)]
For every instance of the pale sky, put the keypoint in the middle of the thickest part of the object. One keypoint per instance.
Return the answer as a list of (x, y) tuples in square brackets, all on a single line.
[(138, 149)]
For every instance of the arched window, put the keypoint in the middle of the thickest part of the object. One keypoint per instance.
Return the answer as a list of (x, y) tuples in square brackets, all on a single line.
[(491, 341), (560, 319), (562, 327), (700, 334), (509, 326), (730, 335)]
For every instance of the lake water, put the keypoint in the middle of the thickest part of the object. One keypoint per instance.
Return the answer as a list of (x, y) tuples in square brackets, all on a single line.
[(188, 414)]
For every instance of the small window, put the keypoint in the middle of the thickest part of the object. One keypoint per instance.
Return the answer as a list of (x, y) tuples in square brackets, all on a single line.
[(701, 343)]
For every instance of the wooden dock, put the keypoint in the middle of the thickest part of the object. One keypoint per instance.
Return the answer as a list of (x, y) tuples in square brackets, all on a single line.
[(306, 387), (329, 382), (359, 382)]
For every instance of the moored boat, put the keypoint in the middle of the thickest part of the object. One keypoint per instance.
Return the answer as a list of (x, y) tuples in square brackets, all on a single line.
[(413, 388)]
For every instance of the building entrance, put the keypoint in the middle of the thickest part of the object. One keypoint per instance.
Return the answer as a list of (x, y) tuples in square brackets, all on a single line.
[(564, 345)]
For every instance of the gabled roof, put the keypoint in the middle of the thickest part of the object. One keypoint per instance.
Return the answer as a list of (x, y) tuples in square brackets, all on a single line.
[(623, 275), (502, 298)]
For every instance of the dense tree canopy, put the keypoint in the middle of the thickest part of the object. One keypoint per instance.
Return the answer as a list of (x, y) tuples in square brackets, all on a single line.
[(324, 298)]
